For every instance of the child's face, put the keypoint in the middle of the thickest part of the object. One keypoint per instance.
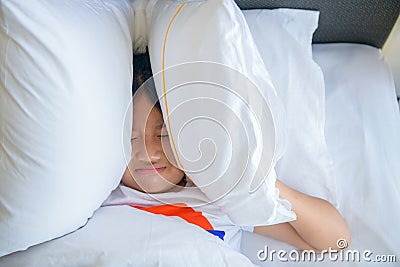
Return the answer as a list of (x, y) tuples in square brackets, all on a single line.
[(150, 169)]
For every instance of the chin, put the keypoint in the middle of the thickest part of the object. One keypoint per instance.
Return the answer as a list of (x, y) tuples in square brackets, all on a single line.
[(158, 190), (151, 184)]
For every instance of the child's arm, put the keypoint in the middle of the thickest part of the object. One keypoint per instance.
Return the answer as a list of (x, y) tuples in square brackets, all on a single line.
[(283, 232), (318, 225)]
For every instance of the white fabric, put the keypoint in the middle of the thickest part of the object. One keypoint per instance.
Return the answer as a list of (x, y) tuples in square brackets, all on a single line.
[(121, 236), (189, 196), (283, 38), (65, 83), (227, 133), (139, 38), (362, 132)]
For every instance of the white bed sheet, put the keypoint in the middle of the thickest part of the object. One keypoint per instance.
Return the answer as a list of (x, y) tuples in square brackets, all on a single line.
[(121, 236), (363, 135)]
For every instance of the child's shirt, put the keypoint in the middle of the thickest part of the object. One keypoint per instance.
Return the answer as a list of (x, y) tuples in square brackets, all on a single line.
[(188, 204)]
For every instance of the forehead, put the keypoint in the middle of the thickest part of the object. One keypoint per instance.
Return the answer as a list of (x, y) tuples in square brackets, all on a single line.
[(145, 113)]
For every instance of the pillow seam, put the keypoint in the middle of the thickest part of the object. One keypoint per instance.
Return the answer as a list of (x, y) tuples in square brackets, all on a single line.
[(3, 74)]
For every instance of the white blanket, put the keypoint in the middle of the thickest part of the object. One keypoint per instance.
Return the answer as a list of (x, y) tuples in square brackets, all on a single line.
[(122, 236)]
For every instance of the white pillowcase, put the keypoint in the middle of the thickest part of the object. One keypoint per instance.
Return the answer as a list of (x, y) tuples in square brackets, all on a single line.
[(283, 38), (225, 130), (66, 73)]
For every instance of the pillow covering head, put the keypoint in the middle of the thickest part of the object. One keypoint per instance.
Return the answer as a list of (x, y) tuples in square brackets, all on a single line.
[(227, 133)]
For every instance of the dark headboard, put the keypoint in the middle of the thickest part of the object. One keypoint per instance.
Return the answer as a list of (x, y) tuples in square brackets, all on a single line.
[(353, 21)]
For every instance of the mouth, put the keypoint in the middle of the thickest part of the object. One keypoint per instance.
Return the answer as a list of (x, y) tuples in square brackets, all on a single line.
[(150, 170)]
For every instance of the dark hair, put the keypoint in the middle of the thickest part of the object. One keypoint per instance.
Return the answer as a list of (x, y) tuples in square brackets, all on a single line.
[(143, 77)]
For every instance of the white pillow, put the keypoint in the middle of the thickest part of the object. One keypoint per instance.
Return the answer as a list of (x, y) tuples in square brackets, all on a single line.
[(66, 73), (225, 130), (283, 38)]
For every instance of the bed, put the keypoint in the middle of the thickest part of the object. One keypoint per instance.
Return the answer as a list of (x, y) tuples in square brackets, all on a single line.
[(366, 201), (361, 129)]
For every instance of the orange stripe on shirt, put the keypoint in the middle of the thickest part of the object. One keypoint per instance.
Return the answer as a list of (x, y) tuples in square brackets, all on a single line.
[(181, 210)]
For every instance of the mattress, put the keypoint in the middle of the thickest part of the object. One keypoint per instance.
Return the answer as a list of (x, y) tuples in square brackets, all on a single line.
[(362, 130)]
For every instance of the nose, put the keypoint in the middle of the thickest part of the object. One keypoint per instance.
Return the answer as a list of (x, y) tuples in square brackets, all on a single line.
[(147, 150)]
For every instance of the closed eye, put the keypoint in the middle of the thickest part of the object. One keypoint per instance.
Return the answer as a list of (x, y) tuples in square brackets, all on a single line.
[(134, 135)]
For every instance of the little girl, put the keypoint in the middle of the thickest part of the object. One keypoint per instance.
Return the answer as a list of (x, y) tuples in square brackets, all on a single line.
[(152, 182)]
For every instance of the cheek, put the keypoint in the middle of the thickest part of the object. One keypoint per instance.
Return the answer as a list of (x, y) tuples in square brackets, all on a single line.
[(128, 180), (174, 176), (168, 152)]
